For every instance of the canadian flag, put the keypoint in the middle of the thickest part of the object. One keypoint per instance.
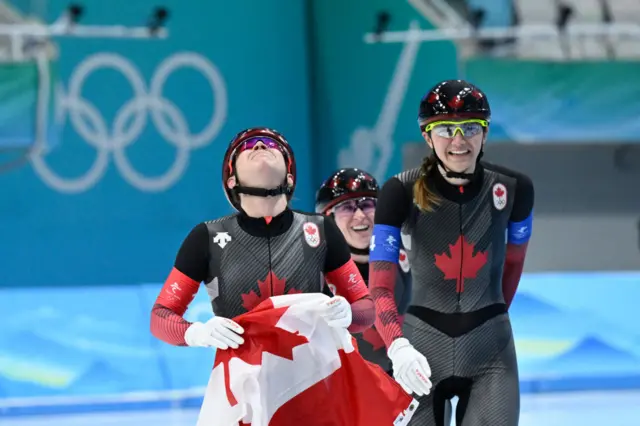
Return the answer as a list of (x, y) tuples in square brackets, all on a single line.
[(293, 369)]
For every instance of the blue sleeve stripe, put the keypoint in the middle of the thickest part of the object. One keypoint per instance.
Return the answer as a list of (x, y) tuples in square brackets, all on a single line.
[(385, 244), (520, 232)]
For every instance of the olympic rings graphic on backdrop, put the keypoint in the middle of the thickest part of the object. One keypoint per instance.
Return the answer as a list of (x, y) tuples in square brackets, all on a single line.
[(131, 119)]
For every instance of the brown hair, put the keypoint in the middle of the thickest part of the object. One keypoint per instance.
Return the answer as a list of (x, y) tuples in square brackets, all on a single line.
[(423, 196)]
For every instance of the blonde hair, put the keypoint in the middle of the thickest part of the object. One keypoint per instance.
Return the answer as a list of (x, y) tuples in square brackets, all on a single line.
[(423, 196)]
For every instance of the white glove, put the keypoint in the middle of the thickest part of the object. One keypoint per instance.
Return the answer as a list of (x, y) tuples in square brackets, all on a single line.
[(410, 368), (218, 332), (336, 311)]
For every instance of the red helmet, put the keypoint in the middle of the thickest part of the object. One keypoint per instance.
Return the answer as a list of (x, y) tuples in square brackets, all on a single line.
[(228, 165)]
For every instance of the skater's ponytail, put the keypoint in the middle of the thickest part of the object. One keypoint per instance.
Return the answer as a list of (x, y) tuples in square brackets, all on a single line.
[(424, 197)]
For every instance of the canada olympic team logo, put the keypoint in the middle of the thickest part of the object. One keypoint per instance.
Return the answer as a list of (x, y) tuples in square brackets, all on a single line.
[(148, 101)]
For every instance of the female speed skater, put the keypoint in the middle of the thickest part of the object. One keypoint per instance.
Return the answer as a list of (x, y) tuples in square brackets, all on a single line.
[(350, 196), (265, 249), (453, 215)]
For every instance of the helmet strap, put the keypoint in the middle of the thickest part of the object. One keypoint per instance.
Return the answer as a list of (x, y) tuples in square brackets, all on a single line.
[(282, 189), (262, 192), (458, 175)]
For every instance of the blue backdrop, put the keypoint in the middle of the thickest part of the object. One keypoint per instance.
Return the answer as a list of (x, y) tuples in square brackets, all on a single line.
[(145, 126)]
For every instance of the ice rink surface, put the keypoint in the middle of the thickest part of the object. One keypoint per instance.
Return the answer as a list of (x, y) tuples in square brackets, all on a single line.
[(552, 409)]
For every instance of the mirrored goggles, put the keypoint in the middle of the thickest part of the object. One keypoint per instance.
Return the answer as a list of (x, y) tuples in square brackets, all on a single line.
[(349, 207), (252, 142), (448, 129)]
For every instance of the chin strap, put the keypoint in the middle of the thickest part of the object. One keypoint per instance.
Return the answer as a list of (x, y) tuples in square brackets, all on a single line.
[(262, 192), (282, 189), (458, 175)]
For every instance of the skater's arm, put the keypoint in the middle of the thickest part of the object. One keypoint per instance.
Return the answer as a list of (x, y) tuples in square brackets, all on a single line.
[(404, 280), (518, 235), (342, 272), (180, 287), (393, 208)]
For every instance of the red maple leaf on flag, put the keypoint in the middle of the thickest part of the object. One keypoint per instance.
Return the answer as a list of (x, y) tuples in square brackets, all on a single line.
[(310, 230), (271, 286), (260, 335), (402, 257), (499, 192), (462, 263), (372, 336)]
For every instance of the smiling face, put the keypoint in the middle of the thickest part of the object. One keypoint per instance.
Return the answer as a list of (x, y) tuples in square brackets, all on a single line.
[(355, 219), (456, 143), (260, 164)]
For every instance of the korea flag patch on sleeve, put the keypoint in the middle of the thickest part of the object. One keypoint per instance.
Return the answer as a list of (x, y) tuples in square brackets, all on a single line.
[(311, 234), (403, 261)]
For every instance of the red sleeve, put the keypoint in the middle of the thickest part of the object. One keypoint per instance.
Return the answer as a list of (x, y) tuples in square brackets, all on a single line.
[(167, 323), (513, 266), (348, 282), (394, 205), (382, 282), (363, 315)]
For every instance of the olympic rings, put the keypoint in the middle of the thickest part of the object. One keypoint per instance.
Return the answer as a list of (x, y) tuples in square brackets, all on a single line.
[(130, 121)]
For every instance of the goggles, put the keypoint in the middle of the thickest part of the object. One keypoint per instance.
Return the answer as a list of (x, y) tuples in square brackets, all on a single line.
[(448, 129), (349, 207), (252, 142)]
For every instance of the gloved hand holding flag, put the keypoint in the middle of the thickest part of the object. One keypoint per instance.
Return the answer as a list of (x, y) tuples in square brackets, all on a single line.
[(294, 368)]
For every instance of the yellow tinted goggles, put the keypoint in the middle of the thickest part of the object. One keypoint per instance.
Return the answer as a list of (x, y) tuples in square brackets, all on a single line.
[(448, 129)]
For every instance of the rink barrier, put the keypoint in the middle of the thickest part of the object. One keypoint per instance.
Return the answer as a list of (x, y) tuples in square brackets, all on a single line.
[(131, 401), (156, 376), (192, 398)]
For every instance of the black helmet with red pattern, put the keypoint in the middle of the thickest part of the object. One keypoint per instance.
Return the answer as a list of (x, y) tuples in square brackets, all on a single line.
[(345, 184), (453, 99), (246, 139)]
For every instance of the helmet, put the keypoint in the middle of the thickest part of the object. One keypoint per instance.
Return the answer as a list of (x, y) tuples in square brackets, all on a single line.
[(453, 99), (228, 165), (344, 184)]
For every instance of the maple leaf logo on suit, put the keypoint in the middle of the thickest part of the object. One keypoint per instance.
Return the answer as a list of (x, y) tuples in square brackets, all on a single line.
[(271, 286), (462, 263)]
